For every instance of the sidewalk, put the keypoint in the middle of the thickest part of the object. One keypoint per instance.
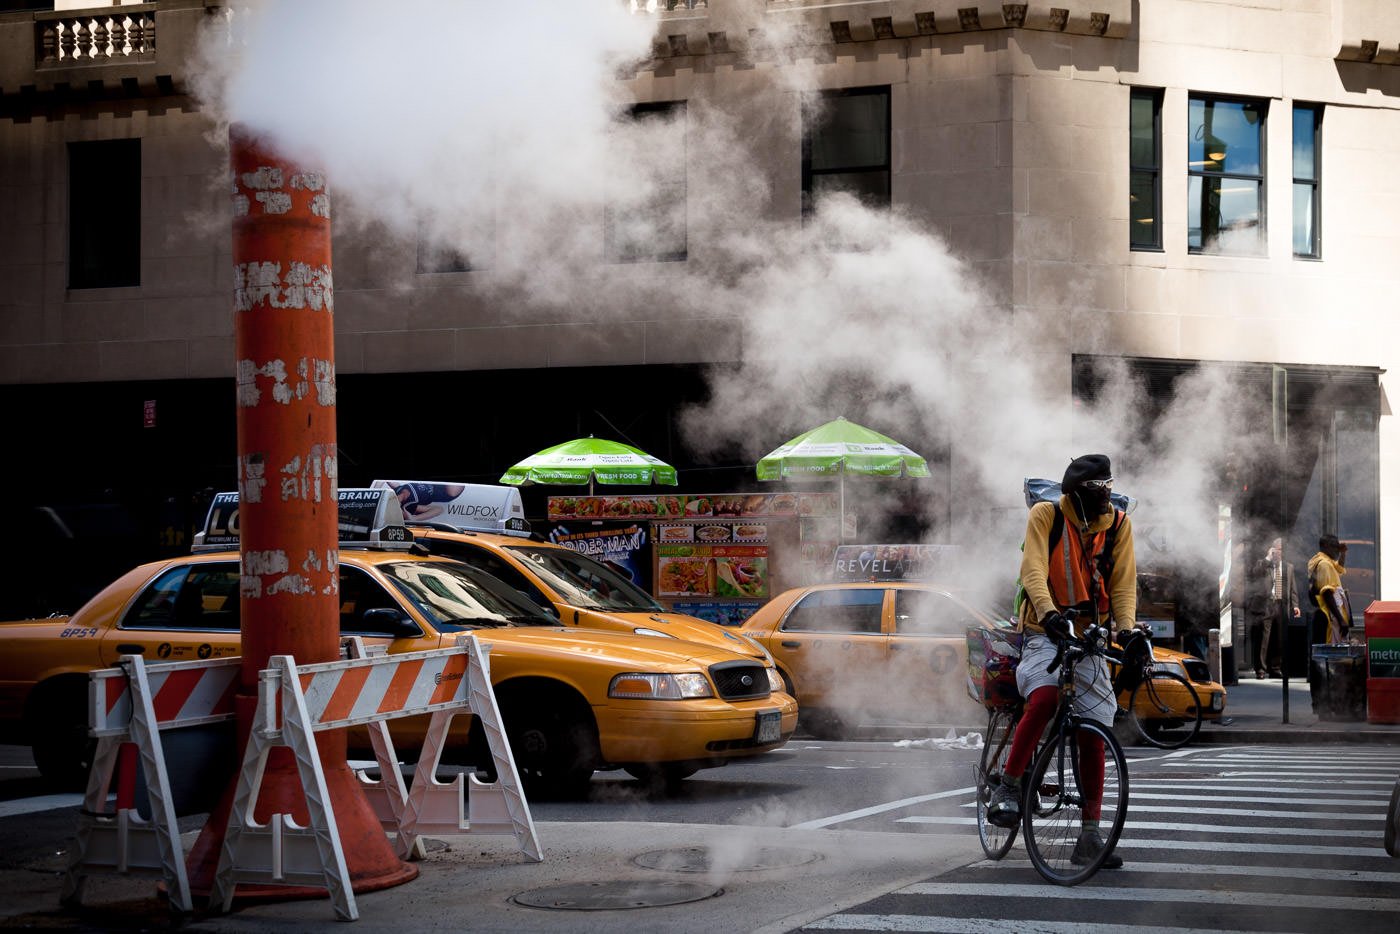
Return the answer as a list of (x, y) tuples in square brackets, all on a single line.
[(1254, 714)]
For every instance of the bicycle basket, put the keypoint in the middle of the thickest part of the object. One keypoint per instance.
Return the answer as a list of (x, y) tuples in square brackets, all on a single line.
[(992, 657)]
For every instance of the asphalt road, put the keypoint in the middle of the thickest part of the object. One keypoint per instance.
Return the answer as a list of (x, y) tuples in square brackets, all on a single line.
[(1239, 838)]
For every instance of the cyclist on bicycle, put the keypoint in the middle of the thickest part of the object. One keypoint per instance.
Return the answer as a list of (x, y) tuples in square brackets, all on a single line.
[(1093, 570)]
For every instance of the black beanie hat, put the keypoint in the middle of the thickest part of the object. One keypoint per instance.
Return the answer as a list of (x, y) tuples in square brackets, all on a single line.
[(1087, 467)]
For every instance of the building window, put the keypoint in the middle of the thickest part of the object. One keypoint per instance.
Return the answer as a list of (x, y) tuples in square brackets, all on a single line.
[(1225, 184), (644, 218), (1307, 180), (104, 214), (434, 257), (846, 146), (1145, 164)]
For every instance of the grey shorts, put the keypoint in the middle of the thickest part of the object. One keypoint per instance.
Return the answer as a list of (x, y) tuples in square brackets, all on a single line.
[(1094, 699)]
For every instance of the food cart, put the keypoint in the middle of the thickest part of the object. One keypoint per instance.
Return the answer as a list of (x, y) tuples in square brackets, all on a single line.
[(715, 556)]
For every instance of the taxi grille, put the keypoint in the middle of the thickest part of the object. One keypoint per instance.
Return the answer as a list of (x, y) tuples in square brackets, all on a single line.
[(739, 680)]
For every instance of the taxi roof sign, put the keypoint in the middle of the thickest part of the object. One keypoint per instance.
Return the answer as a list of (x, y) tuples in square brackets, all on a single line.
[(469, 507), (367, 517)]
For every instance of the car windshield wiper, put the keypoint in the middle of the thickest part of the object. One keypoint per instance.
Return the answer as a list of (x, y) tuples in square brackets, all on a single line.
[(475, 622)]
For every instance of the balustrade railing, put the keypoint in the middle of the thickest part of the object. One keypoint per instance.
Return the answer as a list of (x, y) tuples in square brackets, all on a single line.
[(94, 37)]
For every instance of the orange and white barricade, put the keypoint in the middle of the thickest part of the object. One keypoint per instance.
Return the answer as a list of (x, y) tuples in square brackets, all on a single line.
[(368, 691), (131, 704)]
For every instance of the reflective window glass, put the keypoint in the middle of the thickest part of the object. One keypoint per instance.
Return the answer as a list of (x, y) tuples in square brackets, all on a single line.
[(1145, 163), (1225, 185), (856, 610), (1307, 180), (846, 146)]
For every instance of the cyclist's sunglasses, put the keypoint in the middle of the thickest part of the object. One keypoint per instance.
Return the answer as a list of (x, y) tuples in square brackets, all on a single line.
[(1099, 486)]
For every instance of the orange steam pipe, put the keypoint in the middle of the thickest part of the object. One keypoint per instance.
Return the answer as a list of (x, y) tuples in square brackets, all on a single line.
[(287, 483)]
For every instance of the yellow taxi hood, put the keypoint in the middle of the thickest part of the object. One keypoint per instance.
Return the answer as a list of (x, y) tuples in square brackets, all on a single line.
[(634, 653), (680, 626)]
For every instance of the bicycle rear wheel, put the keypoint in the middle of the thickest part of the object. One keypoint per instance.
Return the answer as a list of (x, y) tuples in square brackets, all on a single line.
[(1001, 724), (1165, 695), (1052, 823)]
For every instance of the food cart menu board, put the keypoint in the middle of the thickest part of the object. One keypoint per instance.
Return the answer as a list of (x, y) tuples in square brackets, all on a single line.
[(720, 506), (731, 571)]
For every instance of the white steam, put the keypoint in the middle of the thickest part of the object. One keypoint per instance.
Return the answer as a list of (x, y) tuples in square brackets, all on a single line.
[(492, 130)]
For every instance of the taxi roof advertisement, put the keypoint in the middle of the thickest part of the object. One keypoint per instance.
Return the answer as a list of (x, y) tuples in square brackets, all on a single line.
[(475, 506)]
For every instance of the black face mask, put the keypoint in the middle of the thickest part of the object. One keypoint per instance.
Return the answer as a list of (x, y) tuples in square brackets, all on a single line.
[(1093, 502)]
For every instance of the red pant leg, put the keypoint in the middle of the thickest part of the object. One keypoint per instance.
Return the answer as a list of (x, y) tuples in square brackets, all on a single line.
[(1040, 707)]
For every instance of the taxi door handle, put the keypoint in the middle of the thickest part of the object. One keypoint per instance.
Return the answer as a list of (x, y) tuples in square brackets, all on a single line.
[(791, 645), (130, 648)]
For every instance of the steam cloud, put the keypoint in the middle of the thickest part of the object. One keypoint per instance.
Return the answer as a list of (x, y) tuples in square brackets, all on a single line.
[(492, 130)]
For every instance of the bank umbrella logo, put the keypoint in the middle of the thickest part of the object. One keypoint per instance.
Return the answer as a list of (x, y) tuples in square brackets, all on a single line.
[(589, 460), (839, 448)]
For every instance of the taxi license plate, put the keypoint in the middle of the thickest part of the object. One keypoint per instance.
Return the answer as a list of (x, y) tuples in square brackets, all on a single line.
[(769, 728)]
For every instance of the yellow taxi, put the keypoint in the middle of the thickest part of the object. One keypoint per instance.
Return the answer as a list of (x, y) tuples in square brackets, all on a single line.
[(896, 651), (858, 652), (572, 700), (483, 525)]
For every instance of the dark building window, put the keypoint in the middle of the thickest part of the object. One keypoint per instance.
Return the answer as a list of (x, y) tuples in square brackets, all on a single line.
[(1307, 180), (1145, 165), (644, 217), (104, 214), (846, 146), (433, 257), (1225, 182)]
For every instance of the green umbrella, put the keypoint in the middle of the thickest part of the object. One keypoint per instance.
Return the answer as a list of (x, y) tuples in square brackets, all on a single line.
[(839, 448), (585, 460)]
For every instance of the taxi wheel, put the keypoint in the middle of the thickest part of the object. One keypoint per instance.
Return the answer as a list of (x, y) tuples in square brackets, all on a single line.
[(823, 724), (63, 751), (554, 744), (660, 777)]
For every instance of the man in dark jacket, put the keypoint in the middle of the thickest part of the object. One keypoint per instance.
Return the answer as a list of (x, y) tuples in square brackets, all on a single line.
[(1273, 600)]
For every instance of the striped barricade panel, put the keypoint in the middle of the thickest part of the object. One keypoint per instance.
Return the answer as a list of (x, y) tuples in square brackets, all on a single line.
[(182, 694), (362, 690)]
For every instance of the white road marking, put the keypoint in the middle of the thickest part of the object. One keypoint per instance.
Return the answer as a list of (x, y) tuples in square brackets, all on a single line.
[(39, 803), (1220, 786), (1147, 895), (1219, 869), (1221, 830), (879, 809), (935, 924), (1375, 804)]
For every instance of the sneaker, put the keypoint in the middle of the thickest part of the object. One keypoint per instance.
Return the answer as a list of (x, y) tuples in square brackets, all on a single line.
[(1089, 844), (1004, 808)]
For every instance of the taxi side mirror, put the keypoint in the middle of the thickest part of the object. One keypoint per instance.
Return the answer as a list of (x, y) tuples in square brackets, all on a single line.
[(392, 622)]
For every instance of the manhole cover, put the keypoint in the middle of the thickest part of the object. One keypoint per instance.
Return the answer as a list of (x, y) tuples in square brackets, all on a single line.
[(705, 859), (611, 896)]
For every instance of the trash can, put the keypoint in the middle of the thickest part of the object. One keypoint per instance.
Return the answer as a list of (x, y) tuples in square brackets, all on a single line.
[(1337, 682), (1383, 662)]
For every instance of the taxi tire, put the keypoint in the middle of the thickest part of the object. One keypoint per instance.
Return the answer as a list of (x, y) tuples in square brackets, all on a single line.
[(553, 740), (661, 777), (823, 724), (63, 751)]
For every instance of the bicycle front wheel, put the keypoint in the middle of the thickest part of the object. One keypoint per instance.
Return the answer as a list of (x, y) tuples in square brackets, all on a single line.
[(1165, 710), (1001, 724), (1060, 796)]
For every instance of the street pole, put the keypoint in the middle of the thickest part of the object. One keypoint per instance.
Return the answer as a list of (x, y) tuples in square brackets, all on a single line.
[(1279, 406), (287, 485)]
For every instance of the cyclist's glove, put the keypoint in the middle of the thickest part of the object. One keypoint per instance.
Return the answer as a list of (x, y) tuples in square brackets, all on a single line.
[(1056, 627), (1134, 647)]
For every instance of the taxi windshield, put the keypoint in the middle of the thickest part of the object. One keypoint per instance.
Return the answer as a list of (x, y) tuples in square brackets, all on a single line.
[(586, 583), (455, 597)]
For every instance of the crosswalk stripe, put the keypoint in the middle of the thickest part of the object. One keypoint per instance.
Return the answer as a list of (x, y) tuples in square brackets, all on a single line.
[(1240, 846), (1302, 776), (39, 803), (1214, 786), (1191, 896), (1221, 829), (1366, 810), (1233, 779), (1314, 873), (937, 924)]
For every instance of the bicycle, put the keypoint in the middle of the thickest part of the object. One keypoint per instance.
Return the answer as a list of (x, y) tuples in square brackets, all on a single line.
[(1159, 701), (1053, 804), (1001, 726)]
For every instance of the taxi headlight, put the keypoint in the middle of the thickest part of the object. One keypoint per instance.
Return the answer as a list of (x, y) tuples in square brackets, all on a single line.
[(647, 686), (1174, 667), (652, 632), (775, 681)]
